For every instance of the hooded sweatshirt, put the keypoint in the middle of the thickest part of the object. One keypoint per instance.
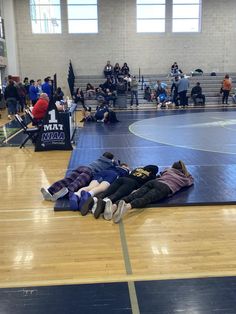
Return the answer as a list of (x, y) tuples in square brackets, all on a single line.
[(175, 179)]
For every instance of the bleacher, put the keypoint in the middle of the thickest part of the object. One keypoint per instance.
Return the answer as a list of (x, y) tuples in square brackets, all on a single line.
[(210, 86)]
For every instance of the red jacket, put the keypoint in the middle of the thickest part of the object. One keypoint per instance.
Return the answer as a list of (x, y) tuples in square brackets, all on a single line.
[(40, 109)]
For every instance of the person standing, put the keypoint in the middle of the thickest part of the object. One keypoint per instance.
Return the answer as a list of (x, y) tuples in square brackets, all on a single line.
[(226, 88), (134, 91), (11, 95), (182, 90)]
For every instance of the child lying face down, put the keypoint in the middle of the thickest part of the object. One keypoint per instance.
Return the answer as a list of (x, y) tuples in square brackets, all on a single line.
[(170, 181)]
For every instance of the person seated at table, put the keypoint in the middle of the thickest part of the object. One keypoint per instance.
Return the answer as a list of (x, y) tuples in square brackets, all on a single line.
[(170, 181), (100, 183), (40, 108), (196, 93), (120, 188), (78, 178), (58, 95)]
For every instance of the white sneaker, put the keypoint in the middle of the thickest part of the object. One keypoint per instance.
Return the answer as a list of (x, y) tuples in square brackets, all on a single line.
[(62, 192), (47, 196), (121, 210), (108, 210)]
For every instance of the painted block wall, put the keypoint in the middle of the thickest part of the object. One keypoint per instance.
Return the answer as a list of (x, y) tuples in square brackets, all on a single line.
[(212, 50)]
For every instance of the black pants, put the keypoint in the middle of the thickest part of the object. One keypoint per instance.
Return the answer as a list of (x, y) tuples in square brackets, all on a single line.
[(183, 98), (151, 192), (120, 188)]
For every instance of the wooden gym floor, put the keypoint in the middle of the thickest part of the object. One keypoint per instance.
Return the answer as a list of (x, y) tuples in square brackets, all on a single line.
[(40, 247)]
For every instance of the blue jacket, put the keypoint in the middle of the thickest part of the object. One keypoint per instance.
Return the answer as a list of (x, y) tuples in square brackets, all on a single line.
[(33, 92), (46, 88), (102, 163)]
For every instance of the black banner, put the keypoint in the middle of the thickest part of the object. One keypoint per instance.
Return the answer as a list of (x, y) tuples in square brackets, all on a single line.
[(55, 131)]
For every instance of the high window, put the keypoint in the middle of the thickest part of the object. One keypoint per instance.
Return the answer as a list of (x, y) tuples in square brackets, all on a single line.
[(151, 16), (82, 16), (45, 16), (186, 16)]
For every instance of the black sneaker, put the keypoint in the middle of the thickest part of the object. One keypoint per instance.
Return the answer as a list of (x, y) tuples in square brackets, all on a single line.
[(87, 206), (100, 208)]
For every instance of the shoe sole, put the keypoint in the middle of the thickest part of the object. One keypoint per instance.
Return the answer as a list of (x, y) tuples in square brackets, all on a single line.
[(87, 206), (46, 195), (100, 208), (108, 210), (118, 214)]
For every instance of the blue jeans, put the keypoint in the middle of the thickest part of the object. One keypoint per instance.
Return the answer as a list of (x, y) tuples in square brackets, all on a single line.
[(12, 105), (134, 93)]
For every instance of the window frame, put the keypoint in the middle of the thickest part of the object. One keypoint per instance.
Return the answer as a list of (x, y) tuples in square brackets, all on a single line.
[(93, 32), (145, 4), (199, 18), (44, 21)]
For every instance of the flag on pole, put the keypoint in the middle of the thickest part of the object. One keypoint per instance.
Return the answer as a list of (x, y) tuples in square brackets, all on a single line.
[(71, 78)]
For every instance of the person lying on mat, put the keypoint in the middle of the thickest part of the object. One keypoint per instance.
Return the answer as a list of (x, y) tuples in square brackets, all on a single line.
[(100, 183), (171, 180), (118, 189), (78, 178)]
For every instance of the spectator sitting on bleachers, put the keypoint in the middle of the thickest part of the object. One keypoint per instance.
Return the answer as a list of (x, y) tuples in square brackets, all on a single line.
[(110, 97), (160, 89), (196, 93), (108, 69), (175, 71), (78, 96), (90, 92), (108, 84), (125, 69), (117, 71), (147, 93), (99, 93)]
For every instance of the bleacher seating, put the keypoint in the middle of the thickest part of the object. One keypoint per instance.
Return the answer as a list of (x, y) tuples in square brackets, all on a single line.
[(210, 86)]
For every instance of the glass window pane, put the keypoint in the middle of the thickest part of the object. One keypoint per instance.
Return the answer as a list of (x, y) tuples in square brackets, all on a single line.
[(46, 26), (187, 1), (49, 2), (83, 26), (82, 12), (150, 11), (45, 12), (186, 25), (151, 1), (150, 26), (185, 11), (81, 1)]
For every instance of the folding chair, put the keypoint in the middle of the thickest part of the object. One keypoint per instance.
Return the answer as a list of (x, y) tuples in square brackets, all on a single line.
[(31, 133)]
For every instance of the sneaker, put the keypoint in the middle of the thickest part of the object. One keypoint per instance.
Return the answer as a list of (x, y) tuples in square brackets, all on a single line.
[(61, 193), (74, 201), (108, 210), (137, 107), (95, 201), (100, 208), (131, 107), (47, 196), (87, 206), (84, 196), (121, 210)]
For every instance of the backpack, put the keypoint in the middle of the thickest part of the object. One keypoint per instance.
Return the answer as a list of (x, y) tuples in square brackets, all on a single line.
[(112, 117)]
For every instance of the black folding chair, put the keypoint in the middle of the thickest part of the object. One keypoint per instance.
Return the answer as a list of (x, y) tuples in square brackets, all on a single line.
[(31, 133)]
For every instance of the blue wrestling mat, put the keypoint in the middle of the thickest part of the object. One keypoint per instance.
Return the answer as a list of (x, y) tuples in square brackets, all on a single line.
[(203, 139)]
